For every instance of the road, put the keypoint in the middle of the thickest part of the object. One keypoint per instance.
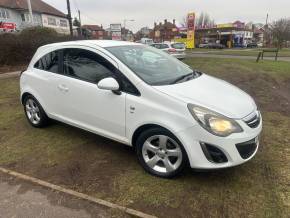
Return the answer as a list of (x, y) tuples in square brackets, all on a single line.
[(208, 55)]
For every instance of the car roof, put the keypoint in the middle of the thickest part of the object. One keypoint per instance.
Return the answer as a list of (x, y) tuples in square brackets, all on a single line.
[(98, 43)]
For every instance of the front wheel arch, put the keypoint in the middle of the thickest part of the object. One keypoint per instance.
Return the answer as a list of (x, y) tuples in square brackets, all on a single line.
[(25, 95)]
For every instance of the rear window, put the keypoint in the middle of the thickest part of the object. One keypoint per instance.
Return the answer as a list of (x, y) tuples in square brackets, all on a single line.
[(178, 46), (49, 62)]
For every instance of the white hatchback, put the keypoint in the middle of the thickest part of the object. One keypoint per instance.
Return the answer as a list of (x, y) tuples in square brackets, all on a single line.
[(140, 96)]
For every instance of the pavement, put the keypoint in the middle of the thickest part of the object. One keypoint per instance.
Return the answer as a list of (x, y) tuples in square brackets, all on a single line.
[(20, 199)]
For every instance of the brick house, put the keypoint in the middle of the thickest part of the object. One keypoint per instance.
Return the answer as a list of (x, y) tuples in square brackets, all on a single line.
[(164, 32), (95, 31), (14, 16)]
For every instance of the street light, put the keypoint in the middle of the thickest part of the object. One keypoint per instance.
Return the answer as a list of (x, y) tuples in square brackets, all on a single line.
[(125, 21)]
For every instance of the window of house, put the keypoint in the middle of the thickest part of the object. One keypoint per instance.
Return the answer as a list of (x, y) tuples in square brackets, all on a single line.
[(51, 21), (26, 17), (23, 17), (4, 14), (63, 23), (49, 62)]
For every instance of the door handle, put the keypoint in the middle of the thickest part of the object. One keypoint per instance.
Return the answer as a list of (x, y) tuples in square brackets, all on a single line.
[(62, 87)]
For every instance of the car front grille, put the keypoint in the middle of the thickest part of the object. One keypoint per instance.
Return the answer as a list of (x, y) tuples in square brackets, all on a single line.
[(247, 149), (253, 120)]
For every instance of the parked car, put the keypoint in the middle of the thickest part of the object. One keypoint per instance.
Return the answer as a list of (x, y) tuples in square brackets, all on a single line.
[(146, 41), (212, 45), (175, 49), (252, 45), (142, 97)]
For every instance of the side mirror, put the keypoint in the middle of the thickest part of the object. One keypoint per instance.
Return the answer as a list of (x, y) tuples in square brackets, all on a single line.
[(109, 84)]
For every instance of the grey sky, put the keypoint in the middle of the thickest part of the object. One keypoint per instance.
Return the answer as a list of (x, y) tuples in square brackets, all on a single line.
[(145, 12)]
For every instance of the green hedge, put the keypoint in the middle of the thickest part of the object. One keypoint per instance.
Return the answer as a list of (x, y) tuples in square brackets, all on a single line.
[(18, 48)]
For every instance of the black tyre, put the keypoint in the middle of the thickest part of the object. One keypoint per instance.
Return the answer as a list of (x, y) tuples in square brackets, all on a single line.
[(34, 112), (160, 153)]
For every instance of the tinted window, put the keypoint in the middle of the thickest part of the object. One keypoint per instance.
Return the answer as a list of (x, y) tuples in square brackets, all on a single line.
[(49, 62), (86, 65)]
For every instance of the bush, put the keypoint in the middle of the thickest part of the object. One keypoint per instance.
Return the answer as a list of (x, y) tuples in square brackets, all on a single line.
[(18, 48)]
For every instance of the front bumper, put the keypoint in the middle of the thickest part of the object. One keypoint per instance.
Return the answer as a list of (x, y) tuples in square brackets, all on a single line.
[(179, 55), (233, 147)]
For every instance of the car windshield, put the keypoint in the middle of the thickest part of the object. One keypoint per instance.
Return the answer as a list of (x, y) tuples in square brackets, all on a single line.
[(153, 66), (178, 46)]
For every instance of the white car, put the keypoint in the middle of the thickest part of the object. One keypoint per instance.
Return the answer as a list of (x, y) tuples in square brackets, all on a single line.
[(175, 49), (140, 96)]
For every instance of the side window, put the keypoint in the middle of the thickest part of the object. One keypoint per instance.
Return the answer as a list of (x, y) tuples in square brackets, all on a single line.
[(86, 65), (49, 62)]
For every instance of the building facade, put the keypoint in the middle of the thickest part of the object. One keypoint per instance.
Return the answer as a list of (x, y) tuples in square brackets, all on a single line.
[(15, 16), (166, 31), (235, 34), (94, 31)]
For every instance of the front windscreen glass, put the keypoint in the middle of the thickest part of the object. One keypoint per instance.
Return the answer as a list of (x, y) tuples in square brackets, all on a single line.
[(153, 66)]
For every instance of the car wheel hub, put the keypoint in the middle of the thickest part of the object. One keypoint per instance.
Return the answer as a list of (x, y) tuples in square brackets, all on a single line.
[(32, 111), (162, 154)]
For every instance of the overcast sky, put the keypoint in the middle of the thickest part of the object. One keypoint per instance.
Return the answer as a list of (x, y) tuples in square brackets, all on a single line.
[(146, 12)]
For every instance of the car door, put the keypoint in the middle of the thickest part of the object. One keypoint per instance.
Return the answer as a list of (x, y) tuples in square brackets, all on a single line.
[(47, 70), (81, 102)]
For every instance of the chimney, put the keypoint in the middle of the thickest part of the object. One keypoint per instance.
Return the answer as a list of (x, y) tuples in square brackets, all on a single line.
[(155, 24), (165, 21), (174, 21), (160, 24)]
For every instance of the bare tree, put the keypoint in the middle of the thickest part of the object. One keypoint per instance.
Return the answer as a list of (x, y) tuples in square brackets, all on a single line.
[(280, 31), (202, 20)]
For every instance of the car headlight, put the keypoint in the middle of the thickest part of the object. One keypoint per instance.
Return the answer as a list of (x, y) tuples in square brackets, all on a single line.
[(213, 122)]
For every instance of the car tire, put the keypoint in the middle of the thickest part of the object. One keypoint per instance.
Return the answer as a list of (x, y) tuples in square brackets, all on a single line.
[(160, 153), (34, 112)]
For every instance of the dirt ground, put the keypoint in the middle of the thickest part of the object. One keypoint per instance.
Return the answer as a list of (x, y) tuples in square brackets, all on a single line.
[(6, 68), (73, 158)]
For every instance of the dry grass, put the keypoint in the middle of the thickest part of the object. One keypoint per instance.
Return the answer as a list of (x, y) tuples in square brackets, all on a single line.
[(73, 158)]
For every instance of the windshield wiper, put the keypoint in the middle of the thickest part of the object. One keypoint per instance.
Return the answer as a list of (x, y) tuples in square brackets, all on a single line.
[(192, 75)]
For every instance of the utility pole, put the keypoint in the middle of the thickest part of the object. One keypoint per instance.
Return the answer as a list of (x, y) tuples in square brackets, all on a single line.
[(81, 32), (30, 11), (79, 12), (265, 38), (69, 17)]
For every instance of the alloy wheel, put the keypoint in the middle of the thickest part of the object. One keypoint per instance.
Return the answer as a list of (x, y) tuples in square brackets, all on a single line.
[(162, 154), (33, 111)]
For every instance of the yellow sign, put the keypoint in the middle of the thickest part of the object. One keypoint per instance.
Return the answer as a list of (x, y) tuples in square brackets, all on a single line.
[(190, 30), (225, 25)]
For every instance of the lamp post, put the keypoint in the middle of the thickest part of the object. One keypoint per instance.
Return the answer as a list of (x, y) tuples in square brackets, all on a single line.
[(125, 21)]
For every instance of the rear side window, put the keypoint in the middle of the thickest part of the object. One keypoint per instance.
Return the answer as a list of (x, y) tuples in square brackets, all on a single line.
[(49, 62), (86, 65), (178, 46), (162, 46)]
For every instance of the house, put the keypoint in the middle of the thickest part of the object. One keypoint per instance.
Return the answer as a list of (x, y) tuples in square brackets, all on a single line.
[(144, 32), (164, 32), (15, 16), (94, 31)]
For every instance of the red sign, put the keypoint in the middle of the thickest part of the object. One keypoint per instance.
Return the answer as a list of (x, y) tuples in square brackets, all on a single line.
[(191, 21), (7, 26)]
